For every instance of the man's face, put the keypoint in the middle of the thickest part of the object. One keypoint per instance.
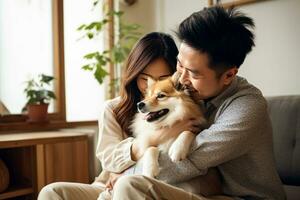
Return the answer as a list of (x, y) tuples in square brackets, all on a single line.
[(196, 75)]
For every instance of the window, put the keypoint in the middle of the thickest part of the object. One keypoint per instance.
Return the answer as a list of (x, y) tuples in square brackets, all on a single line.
[(30, 43), (40, 36), (84, 95)]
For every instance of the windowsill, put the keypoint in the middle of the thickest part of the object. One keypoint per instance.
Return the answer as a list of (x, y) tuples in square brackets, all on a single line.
[(16, 127)]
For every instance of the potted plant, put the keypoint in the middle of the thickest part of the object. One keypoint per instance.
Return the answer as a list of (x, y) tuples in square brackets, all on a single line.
[(38, 98)]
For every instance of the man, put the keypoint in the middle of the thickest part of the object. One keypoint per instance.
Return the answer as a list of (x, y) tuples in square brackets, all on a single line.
[(238, 142)]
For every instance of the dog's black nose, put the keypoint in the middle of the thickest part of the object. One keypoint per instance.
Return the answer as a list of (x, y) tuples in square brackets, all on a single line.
[(141, 105)]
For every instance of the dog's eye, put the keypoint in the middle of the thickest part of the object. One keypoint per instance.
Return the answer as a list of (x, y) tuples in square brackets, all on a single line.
[(160, 96)]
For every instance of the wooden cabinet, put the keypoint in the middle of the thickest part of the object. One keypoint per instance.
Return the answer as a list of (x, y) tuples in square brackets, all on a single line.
[(37, 159)]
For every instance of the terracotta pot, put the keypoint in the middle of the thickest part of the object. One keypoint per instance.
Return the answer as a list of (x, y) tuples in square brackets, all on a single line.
[(37, 112), (4, 176)]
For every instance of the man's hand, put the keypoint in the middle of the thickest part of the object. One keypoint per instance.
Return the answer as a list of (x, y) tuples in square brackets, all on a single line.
[(113, 177)]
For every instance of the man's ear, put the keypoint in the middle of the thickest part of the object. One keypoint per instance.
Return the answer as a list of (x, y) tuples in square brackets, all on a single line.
[(150, 82), (229, 75)]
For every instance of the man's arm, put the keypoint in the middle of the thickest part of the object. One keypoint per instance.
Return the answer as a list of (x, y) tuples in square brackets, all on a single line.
[(236, 130)]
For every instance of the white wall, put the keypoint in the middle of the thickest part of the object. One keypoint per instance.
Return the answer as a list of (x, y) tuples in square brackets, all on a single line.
[(173, 12), (273, 65), (161, 15), (143, 12)]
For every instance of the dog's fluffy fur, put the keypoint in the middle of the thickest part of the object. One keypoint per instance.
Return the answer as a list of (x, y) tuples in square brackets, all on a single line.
[(165, 104)]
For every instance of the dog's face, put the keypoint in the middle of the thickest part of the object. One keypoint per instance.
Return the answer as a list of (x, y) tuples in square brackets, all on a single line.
[(161, 100)]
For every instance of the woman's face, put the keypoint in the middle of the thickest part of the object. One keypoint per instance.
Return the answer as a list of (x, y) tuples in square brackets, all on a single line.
[(157, 70)]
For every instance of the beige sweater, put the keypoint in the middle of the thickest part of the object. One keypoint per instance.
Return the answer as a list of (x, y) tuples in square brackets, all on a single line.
[(113, 150)]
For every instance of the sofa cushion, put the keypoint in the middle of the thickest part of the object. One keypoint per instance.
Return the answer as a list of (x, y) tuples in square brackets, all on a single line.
[(285, 116), (292, 192)]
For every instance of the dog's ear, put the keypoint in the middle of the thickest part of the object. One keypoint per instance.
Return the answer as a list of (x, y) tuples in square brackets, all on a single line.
[(150, 82), (175, 79)]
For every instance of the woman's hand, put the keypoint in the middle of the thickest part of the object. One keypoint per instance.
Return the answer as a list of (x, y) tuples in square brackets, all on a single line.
[(113, 177)]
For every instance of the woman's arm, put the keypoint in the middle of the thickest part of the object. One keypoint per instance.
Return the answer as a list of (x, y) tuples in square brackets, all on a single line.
[(113, 149)]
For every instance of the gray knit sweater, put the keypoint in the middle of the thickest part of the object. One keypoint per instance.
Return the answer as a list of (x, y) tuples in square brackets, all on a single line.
[(238, 142)]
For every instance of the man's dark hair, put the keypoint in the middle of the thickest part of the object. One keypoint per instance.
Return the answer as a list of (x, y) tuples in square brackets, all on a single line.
[(224, 35)]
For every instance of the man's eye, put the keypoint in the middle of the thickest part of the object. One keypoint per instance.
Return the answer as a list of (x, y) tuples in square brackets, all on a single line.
[(179, 68), (163, 78), (160, 96)]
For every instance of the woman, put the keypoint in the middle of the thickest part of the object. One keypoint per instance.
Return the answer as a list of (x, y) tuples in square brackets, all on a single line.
[(153, 56)]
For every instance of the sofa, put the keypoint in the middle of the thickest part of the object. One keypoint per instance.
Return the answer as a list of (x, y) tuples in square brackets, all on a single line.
[(285, 116)]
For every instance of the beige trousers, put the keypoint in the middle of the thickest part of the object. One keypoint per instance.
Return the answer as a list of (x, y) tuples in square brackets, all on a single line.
[(133, 187), (70, 191), (144, 188)]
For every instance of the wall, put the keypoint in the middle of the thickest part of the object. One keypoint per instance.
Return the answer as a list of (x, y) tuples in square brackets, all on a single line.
[(273, 65)]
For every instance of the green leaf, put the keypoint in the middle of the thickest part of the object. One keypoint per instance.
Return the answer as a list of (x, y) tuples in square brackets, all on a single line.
[(118, 55), (31, 93), (118, 13), (95, 2), (51, 94), (91, 55), (91, 25), (104, 21), (81, 27), (46, 79), (100, 74), (90, 35), (87, 67), (98, 27)]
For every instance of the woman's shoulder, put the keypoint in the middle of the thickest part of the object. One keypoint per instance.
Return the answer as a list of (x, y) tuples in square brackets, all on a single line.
[(108, 107), (112, 103)]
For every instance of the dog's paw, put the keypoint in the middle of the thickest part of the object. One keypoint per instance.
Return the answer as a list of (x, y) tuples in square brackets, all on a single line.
[(151, 170), (178, 151)]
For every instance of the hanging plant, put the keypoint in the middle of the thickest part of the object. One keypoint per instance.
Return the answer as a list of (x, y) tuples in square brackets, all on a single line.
[(126, 36)]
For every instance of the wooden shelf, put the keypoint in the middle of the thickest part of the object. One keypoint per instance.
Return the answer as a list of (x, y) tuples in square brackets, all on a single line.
[(27, 139), (38, 158), (15, 191)]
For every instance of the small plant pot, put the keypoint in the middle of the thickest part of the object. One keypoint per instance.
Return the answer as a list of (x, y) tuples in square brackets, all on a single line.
[(37, 113)]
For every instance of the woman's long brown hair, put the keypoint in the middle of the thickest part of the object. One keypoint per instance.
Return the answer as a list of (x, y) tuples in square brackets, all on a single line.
[(149, 48)]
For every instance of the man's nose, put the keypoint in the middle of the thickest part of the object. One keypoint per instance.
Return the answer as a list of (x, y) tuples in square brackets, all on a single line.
[(183, 79)]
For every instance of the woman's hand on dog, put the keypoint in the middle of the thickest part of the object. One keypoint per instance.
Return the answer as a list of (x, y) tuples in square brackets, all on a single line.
[(113, 177)]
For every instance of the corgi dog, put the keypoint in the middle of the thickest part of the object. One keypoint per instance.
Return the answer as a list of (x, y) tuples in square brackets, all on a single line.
[(166, 102)]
